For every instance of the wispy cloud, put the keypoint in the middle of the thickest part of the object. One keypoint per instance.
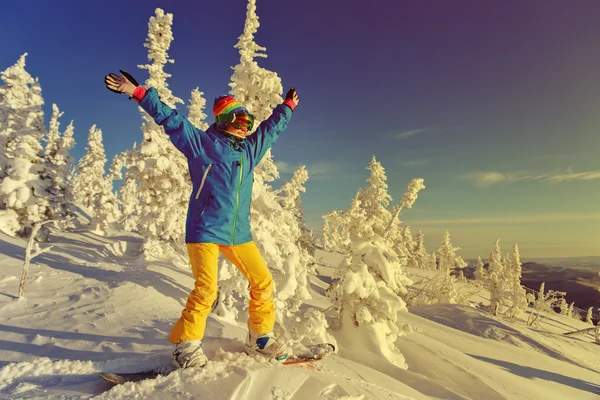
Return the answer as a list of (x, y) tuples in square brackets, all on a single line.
[(415, 163), (412, 132), (317, 171), (570, 176), (490, 178), (487, 179), (516, 219), (285, 168)]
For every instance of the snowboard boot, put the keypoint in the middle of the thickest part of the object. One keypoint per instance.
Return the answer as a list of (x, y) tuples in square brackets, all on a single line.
[(189, 354), (267, 345)]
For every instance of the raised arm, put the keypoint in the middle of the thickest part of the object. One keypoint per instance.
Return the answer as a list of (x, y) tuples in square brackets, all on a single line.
[(183, 134), (268, 131)]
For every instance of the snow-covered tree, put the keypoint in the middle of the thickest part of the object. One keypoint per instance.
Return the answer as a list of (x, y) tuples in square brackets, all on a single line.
[(516, 293), (420, 258), (91, 187), (448, 259), (276, 228), (375, 199), (588, 316), (367, 291), (24, 184), (59, 161), (129, 196), (481, 275), (290, 200), (156, 168), (433, 262), (196, 113), (564, 307), (496, 284), (543, 302)]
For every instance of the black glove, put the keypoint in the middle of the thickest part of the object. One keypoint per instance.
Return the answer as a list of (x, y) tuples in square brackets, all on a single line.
[(121, 84), (292, 95)]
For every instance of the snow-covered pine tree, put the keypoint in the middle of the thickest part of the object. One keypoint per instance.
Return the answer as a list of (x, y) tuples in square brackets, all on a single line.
[(59, 162), (128, 194), (517, 294), (496, 279), (334, 236), (564, 307), (196, 113), (433, 263), (375, 199), (91, 187), (290, 199), (156, 168), (276, 230), (367, 292), (24, 185), (481, 275), (409, 245), (448, 259), (588, 316), (420, 257)]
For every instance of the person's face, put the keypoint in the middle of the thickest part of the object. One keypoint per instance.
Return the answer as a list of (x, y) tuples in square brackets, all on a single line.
[(239, 132)]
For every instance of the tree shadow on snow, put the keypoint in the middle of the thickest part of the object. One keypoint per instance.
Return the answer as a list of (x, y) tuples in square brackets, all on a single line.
[(52, 350), (478, 323), (528, 372), (90, 252), (147, 278)]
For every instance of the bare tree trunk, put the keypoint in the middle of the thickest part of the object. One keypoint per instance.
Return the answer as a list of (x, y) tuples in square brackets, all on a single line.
[(29, 256)]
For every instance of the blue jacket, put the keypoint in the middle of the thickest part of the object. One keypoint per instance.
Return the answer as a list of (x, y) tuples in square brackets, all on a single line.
[(221, 168)]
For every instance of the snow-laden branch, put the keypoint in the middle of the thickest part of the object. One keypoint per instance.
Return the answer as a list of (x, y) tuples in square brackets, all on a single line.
[(408, 200)]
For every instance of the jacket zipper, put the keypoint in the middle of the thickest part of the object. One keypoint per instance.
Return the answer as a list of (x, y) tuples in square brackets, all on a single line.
[(237, 200), (203, 180)]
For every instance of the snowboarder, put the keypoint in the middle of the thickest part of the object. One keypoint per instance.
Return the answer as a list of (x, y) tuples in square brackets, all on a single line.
[(221, 162)]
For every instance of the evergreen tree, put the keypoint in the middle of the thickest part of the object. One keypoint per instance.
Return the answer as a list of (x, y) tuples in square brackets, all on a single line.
[(588, 316), (433, 264), (564, 307), (196, 113), (128, 198), (448, 259), (420, 256), (290, 200), (496, 279), (276, 228), (517, 294), (59, 160), (156, 168), (367, 290), (91, 188), (481, 275), (409, 245), (24, 184), (375, 199)]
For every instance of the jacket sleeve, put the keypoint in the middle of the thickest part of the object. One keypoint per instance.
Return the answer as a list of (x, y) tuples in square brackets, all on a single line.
[(268, 131), (183, 134)]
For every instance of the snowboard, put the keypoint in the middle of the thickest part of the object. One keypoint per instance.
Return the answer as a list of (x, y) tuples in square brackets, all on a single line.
[(315, 353)]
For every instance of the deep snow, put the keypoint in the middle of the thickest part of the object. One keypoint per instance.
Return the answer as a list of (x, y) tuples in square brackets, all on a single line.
[(91, 305)]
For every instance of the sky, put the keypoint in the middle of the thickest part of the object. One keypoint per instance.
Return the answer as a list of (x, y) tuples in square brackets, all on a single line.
[(494, 104)]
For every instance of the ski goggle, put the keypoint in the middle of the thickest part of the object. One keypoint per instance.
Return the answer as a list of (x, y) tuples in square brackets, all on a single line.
[(238, 120)]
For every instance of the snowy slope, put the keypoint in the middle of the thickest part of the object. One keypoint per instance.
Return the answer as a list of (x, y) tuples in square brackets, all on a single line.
[(92, 305)]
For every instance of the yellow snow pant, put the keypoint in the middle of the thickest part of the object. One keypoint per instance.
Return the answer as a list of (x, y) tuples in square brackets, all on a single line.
[(247, 258)]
